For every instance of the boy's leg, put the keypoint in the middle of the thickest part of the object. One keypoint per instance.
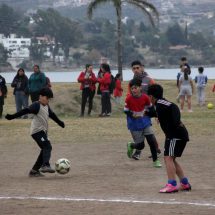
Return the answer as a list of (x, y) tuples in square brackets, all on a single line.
[(150, 139), (43, 142), (138, 144)]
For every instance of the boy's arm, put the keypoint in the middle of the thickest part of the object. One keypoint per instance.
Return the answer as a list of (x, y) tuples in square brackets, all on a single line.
[(150, 111), (33, 109), (127, 111), (54, 117)]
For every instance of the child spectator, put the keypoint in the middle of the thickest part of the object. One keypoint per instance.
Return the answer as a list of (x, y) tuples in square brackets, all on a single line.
[(139, 124), (176, 138), (118, 89), (39, 130), (201, 81), (186, 89)]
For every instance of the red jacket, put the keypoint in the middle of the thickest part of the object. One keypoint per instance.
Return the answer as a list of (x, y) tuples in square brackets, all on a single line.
[(91, 81), (118, 89), (105, 82), (213, 90)]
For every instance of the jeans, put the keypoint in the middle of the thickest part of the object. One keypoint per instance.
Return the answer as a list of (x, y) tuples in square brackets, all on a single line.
[(21, 100)]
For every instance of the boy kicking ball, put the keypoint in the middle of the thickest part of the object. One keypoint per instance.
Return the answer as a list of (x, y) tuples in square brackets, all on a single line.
[(176, 138), (39, 129)]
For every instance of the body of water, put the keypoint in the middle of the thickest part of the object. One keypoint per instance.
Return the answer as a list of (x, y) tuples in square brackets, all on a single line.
[(157, 74)]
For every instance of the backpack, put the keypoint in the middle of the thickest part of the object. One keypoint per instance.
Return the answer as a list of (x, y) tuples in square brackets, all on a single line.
[(112, 84)]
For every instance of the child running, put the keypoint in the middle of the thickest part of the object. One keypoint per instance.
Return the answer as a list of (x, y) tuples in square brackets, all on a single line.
[(176, 138), (39, 130), (139, 124)]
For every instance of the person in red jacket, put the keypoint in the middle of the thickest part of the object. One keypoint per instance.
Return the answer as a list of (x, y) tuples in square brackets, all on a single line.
[(105, 81), (88, 80), (213, 90), (117, 93)]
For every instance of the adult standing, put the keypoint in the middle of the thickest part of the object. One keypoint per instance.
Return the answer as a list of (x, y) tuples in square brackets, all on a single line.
[(21, 91), (3, 93), (105, 81), (88, 80), (37, 81)]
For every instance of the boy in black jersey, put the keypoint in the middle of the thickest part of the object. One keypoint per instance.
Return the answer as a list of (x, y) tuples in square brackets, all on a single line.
[(176, 138), (39, 130)]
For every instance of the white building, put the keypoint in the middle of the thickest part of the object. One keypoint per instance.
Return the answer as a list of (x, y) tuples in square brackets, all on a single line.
[(17, 47)]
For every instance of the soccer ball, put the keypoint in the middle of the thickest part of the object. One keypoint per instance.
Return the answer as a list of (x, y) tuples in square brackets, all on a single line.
[(62, 166), (210, 105)]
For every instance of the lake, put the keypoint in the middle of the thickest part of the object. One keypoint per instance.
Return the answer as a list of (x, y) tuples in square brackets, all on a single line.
[(157, 74)]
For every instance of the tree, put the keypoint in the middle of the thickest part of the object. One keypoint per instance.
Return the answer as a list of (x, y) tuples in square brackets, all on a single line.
[(146, 7)]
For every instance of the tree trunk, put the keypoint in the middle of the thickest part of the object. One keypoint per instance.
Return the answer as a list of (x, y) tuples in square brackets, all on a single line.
[(119, 40)]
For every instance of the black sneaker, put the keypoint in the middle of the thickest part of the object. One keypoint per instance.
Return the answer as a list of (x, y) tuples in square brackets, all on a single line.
[(47, 169), (34, 173), (136, 155)]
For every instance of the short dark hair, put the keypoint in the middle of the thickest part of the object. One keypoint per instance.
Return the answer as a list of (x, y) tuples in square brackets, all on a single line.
[(135, 82), (106, 67), (136, 62), (156, 91), (183, 59), (46, 92), (201, 69)]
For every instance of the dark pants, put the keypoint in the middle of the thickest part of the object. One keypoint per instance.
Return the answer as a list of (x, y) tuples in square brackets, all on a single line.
[(35, 96), (87, 95), (106, 104), (45, 153), (1, 105)]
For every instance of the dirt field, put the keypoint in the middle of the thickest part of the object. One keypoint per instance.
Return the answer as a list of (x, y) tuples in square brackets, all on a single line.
[(102, 180)]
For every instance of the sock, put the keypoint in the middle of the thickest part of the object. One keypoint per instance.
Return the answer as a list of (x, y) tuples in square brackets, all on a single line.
[(184, 180), (172, 182)]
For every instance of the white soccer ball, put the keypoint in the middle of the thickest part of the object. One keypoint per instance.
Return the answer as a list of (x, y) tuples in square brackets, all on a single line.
[(62, 166)]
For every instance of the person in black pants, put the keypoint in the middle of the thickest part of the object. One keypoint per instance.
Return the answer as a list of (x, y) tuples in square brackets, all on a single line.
[(39, 130), (3, 94), (105, 81), (88, 80)]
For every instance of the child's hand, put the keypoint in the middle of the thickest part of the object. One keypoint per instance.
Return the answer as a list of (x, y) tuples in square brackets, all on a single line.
[(61, 124), (9, 117)]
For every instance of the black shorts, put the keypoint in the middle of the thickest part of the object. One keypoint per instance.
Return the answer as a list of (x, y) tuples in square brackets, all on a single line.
[(174, 147)]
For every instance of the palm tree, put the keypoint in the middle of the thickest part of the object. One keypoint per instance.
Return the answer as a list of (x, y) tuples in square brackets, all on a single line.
[(144, 5)]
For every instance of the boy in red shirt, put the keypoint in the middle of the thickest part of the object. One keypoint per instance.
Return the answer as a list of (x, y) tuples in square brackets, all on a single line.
[(137, 122)]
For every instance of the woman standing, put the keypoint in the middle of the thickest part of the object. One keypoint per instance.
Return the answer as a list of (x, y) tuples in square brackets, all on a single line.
[(20, 85), (186, 89)]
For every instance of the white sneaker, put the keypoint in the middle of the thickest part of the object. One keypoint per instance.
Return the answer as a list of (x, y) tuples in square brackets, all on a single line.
[(190, 110)]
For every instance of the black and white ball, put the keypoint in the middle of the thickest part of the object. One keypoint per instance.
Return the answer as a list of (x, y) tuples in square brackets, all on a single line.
[(62, 166)]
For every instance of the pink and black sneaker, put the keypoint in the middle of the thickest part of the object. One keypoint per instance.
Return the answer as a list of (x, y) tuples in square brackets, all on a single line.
[(169, 188), (185, 187)]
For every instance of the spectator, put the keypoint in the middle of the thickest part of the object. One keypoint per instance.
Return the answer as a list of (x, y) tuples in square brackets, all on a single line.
[(186, 89), (201, 81), (37, 81), (104, 81), (88, 80), (3, 93), (21, 93), (118, 89)]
